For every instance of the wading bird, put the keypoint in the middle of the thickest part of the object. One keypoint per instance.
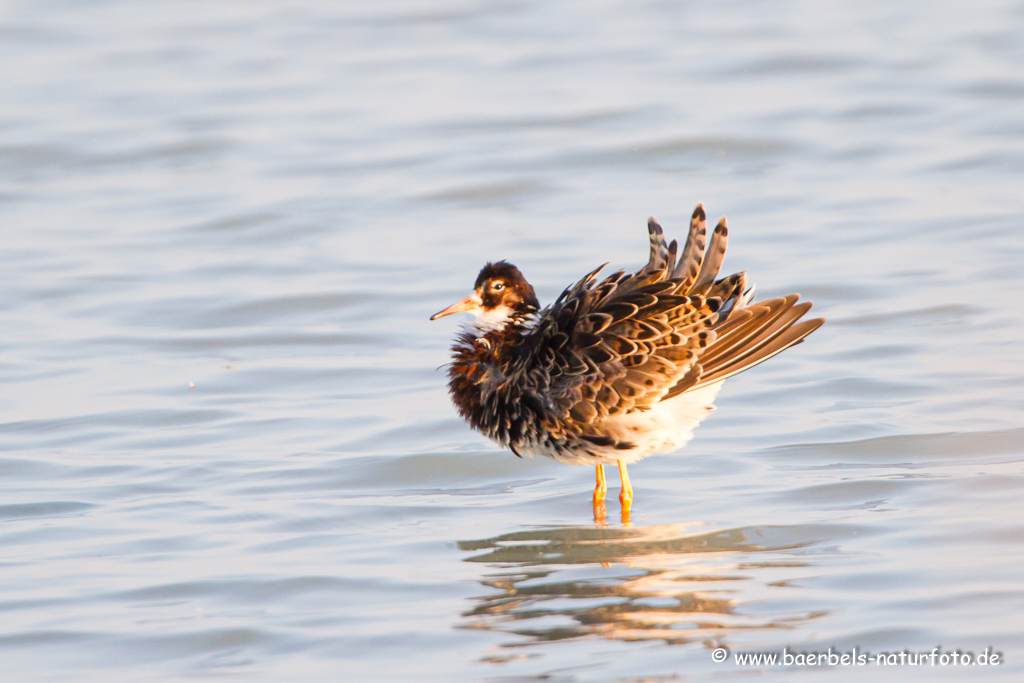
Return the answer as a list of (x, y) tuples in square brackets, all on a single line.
[(614, 369)]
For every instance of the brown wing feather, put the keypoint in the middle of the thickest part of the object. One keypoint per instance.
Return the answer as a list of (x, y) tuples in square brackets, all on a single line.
[(629, 341), (712, 262), (782, 340), (690, 260), (761, 332)]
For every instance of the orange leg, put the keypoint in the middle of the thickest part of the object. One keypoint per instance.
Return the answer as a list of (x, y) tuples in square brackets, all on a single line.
[(626, 494), (600, 514), (602, 486)]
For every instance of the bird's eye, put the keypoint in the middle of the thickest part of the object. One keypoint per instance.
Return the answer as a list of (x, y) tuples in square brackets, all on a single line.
[(497, 286)]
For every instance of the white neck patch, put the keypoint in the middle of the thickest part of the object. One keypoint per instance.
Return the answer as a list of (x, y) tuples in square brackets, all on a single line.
[(489, 321)]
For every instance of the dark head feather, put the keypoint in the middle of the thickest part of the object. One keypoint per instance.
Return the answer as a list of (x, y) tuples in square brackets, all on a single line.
[(513, 291)]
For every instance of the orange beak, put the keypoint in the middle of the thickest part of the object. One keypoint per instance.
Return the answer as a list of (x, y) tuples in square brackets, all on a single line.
[(470, 303)]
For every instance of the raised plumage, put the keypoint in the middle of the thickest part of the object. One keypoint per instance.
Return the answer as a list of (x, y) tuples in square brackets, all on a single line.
[(615, 369)]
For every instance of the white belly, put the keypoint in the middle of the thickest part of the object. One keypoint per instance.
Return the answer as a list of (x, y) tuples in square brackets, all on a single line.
[(666, 427)]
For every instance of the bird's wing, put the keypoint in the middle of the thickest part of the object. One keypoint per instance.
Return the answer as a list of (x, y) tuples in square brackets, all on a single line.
[(627, 342)]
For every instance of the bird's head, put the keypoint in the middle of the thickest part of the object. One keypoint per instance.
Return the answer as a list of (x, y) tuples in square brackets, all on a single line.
[(500, 294)]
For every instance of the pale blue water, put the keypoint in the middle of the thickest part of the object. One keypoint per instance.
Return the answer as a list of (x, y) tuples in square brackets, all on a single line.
[(228, 451)]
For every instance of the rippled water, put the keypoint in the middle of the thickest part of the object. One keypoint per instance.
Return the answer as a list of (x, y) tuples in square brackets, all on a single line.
[(228, 451)]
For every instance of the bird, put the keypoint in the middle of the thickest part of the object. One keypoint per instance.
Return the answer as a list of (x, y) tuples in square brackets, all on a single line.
[(616, 368)]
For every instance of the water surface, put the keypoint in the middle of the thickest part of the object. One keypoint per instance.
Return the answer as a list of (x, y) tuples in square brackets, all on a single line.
[(227, 449)]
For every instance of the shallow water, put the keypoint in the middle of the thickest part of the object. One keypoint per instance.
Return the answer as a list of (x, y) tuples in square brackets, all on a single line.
[(227, 450)]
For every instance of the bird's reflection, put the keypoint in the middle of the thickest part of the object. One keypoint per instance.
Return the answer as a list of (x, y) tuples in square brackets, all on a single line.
[(672, 583)]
